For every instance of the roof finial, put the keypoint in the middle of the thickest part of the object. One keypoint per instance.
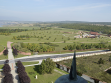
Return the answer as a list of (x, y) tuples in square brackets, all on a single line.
[(73, 74)]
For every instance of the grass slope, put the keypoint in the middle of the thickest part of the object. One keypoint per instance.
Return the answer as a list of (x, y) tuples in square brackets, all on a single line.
[(91, 66)]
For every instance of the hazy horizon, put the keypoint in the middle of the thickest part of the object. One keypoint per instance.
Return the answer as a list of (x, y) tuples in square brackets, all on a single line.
[(58, 10)]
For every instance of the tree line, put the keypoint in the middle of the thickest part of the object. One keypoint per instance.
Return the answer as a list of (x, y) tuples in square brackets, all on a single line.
[(33, 47), (26, 37), (8, 78), (88, 27), (6, 34), (85, 46), (12, 30), (9, 31), (23, 77)]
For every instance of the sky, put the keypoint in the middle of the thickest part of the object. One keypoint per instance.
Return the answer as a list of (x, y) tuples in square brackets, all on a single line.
[(56, 10)]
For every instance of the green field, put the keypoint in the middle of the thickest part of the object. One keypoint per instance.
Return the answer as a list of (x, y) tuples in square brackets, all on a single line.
[(58, 33), (89, 66)]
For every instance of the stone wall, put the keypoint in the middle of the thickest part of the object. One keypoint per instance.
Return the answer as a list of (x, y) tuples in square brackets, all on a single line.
[(70, 57)]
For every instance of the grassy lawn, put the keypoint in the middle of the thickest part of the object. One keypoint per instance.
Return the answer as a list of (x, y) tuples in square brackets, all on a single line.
[(89, 66), (1, 48), (29, 63), (20, 55), (46, 78), (1, 66), (3, 57)]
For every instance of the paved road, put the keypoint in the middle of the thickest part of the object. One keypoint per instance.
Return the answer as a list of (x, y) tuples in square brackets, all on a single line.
[(54, 56), (57, 56)]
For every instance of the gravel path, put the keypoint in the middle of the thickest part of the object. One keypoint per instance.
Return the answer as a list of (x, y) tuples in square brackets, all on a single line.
[(8, 44), (12, 63)]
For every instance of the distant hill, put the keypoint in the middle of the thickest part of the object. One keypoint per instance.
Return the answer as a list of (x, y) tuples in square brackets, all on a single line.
[(99, 23), (5, 22)]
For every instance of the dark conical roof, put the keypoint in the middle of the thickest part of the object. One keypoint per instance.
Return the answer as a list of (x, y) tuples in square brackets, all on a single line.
[(73, 74), (72, 77)]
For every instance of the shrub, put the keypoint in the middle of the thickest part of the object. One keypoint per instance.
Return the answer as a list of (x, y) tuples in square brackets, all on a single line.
[(64, 41), (101, 61), (110, 59), (79, 73)]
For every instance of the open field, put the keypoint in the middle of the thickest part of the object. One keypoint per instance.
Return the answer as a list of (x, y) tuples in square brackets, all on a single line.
[(54, 35), (89, 66)]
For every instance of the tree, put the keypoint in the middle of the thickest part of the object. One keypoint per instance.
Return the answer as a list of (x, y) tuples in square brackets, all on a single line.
[(68, 38), (46, 66), (54, 39), (24, 79), (110, 59), (5, 52), (65, 48), (74, 38), (50, 65), (42, 67), (20, 66), (64, 41), (6, 69), (7, 61), (8, 78), (62, 38), (71, 47), (23, 45), (15, 52), (109, 47)]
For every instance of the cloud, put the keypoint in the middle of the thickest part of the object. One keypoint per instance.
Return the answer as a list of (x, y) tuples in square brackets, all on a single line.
[(101, 5), (84, 7)]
